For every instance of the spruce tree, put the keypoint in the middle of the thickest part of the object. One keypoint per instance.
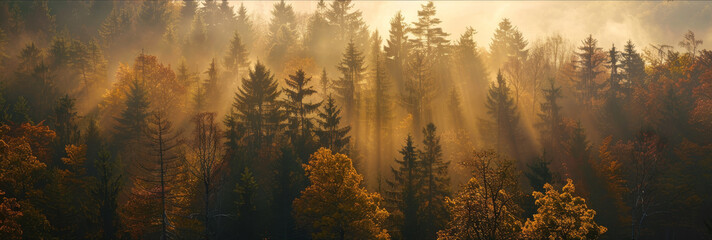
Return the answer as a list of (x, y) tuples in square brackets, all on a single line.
[(105, 193), (246, 190), (614, 86), (331, 135), (436, 184), (282, 33), (352, 68), (420, 90), (381, 105), (396, 49), (256, 106), (633, 66), (590, 59), (236, 57), (429, 37), (244, 26), (21, 111), (299, 113), (470, 63), (133, 120), (326, 84), (405, 194), (505, 116), (551, 125)]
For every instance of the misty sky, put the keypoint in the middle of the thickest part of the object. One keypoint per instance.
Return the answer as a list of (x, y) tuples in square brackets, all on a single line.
[(609, 21)]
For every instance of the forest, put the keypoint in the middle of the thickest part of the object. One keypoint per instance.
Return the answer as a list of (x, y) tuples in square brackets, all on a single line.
[(216, 119)]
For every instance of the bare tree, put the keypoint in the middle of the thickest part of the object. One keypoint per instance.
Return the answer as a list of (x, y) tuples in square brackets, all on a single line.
[(207, 150), (690, 43)]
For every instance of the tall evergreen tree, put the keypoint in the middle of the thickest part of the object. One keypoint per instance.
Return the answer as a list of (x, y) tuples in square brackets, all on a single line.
[(326, 84), (429, 37), (105, 193), (236, 57), (551, 125), (632, 65), (396, 49), (299, 111), (589, 61), (614, 84), (133, 120), (405, 194), (256, 106), (420, 90), (244, 26), (331, 135), (470, 64), (352, 68), (436, 184), (502, 110), (282, 33), (246, 189), (381, 104), (507, 42)]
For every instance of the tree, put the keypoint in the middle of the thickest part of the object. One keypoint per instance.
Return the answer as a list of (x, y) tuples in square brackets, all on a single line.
[(65, 117), (429, 38), (614, 84), (331, 135), (507, 42), (502, 110), (470, 64), (105, 193), (590, 58), (153, 205), (21, 111), (405, 196), (436, 183), (256, 106), (236, 57), (396, 49), (213, 85), (244, 26), (561, 216), (352, 68), (486, 208), (246, 190), (690, 43), (420, 90), (633, 66), (133, 119), (381, 103), (551, 124), (10, 214), (299, 120), (209, 164), (335, 206), (326, 84), (282, 33)]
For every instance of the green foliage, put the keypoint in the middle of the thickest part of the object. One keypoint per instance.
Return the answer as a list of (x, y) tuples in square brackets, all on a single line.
[(331, 135)]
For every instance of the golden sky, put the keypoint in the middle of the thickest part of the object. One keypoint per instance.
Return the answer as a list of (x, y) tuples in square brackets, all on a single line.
[(611, 22)]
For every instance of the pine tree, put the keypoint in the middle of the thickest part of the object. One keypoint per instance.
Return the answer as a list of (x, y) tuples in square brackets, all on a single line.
[(507, 42), (105, 193), (244, 26), (256, 106), (381, 104), (236, 57), (633, 66), (352, 68), (299, 111), (331, 136), (282, 33), (470, 62), (502, 110), (429, 37), (455, 109), (21, 111), (326, 84), (396, 49), (589, 61), (420, 90), (436, 183), (614, 84), (405, 196), (187, 12), (213, 86), (551, 125), (133, 120), (246, 190)]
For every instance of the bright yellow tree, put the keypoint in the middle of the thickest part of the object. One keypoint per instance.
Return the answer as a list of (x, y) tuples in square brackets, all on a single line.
[(561, 216), (335, 206)]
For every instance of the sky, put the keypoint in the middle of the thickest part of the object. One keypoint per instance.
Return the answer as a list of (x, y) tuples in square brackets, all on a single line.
[(611, 22)]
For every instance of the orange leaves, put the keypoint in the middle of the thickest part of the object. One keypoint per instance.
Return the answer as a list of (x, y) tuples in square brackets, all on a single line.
[(9, 214)]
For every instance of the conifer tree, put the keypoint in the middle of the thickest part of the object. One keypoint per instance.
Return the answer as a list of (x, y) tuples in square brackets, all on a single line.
[(256, 107), (420, 90), (470, 63), (21, 111), (326, 84), (282, 33), (133, 120), (212, 85), (65, 125), (551, 125), (299, 111), (614, 84), (246, 189), (244, 26), (236, 57), (105, 193), (436, 184), (589, 61), (381, 104), (429, 37), (352, 68), (507, 42), (405, 194), (502, 110), (331, 135), (396, 49), (632, 65)]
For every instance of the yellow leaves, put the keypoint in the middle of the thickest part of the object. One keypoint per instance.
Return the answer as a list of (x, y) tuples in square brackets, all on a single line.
[(561, 216), (76, 155), (335, 203)]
